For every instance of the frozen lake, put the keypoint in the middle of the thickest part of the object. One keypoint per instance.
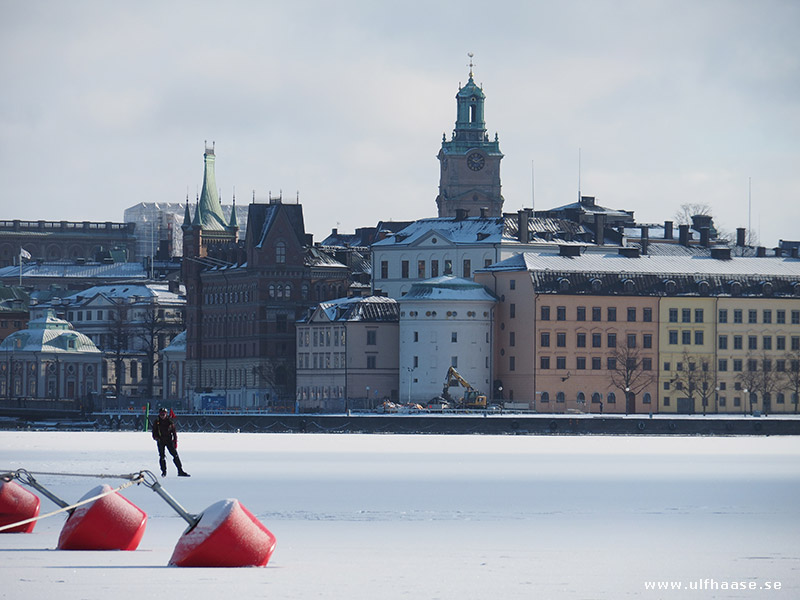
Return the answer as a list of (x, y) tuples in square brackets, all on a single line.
[(438, 517)]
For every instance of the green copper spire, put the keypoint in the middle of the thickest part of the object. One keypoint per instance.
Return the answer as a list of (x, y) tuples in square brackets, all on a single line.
[(209, 209)]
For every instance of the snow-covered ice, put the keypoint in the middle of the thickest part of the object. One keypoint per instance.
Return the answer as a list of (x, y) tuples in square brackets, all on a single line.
[(448, 517)]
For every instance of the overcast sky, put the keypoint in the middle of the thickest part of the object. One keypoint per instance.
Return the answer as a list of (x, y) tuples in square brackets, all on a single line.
[(107, 104)]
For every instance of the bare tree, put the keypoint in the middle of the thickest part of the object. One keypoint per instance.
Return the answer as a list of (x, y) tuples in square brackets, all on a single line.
[(117, 342), (791, 376), (706, 382), (684, 214), (152, 328), (689, 379), (760, 378), (628, 374)]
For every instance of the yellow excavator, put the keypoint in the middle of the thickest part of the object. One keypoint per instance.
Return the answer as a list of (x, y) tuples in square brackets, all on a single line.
[(472, 398)]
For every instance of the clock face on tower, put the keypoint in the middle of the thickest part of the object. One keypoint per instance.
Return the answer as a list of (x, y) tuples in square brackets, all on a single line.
[(475, 161)]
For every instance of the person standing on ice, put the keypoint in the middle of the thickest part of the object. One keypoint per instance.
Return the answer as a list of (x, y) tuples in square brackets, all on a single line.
[(165, 434)]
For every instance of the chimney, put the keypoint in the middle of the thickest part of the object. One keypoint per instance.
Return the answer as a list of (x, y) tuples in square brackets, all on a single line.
[(522, 226), (779, 252), (645, 238), (599, 229), (683, 235), (740, 236), (721, 253), (461, 214), (484, 212), (667, 230), (335, 231), (794, 252), (761, 252), (705, 233)]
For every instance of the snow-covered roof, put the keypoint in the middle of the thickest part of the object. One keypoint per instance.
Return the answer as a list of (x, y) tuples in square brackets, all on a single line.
[(159, 292), (48, 334), (178, 343), (653, 265), (372, 309), (491, 230), (70, 270), (448, 288)]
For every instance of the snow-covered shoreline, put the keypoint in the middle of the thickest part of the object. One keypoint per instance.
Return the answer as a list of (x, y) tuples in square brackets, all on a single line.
[(390, 516)]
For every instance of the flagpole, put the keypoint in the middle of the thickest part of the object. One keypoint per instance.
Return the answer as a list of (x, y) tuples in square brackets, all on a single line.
[(20, 266)]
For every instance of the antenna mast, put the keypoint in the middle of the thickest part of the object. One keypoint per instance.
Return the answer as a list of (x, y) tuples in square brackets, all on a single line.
[(749, 211), (579, 175)]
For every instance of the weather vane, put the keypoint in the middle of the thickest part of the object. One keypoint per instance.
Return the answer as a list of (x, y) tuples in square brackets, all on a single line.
[(470, 54)]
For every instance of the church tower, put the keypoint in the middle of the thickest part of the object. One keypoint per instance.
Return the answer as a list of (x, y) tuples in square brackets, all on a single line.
[(469, 164)]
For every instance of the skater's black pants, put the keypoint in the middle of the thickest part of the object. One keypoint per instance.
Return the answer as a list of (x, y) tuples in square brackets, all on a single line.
[(162, 459)]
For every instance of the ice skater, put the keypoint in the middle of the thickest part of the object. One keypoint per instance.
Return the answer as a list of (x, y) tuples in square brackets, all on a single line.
[(165, 434)]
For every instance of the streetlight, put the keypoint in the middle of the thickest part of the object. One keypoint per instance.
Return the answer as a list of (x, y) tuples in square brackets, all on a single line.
[(747, 398), (410, 378)]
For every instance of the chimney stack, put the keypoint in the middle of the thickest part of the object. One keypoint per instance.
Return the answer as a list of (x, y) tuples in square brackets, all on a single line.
[(667, 230), (705, 234), (683, 235), (484, 212), (645, 238), (761, 252), (522, 226), (740, 236), (461, 214), (599, 229)]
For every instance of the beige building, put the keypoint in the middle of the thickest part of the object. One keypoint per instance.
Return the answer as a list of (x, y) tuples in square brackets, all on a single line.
[(347, 355), (628, 333)]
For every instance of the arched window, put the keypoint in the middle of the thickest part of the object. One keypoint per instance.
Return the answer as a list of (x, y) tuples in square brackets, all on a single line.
[(545, 397), (560, 397), (271, 290), (287, 291), (611, 398), (647, 398), (581, 397), (280, 253), (596, 398)]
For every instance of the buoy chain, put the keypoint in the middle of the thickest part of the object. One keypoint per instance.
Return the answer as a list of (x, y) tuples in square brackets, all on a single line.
[(72, 507)]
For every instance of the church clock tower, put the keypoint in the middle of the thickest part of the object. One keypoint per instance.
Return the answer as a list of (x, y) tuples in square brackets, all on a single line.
[(469, 164)]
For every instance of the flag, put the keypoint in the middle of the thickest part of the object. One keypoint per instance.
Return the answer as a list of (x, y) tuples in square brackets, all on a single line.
[(171, 414), (24, 254)]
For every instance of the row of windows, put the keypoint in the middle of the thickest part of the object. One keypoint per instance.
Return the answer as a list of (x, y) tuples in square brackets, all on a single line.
[(581, 363), (752, 342), (686, 337), (597, 312), (766, 316), (331, 360), (581, 339), (597, 398), (423, 271), (322, 337), (754, 365), (675, 315)]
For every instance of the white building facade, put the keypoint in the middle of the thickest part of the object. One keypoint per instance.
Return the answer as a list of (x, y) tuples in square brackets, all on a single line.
[(459, 246), (445, 322)]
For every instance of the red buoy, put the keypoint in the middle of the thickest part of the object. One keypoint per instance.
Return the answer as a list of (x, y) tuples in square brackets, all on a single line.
[(226, 535), (17, 504), (109, 523)]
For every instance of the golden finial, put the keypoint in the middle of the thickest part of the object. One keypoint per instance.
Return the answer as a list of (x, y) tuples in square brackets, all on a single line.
[(470, 54)]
